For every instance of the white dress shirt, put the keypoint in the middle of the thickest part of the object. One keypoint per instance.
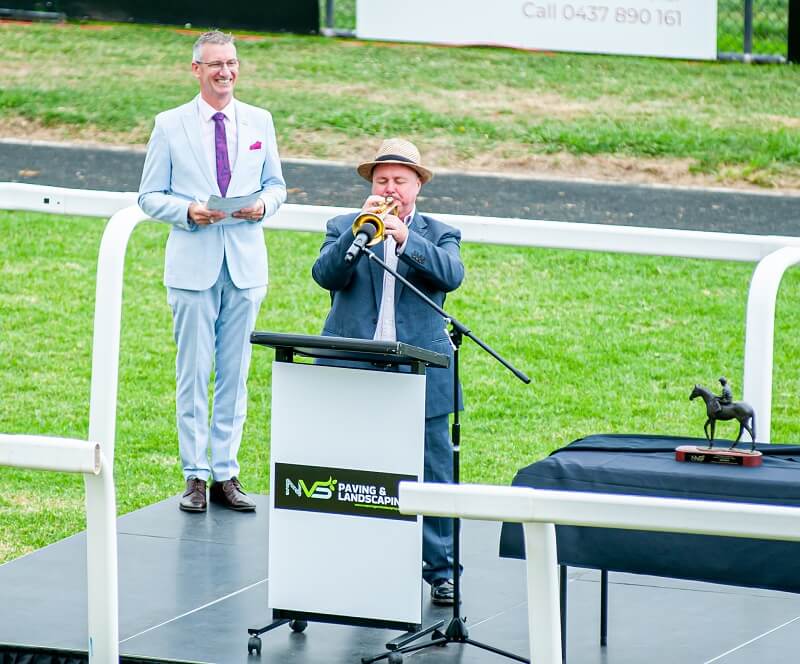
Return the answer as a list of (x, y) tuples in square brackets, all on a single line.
[(386, 330), (206, 113)]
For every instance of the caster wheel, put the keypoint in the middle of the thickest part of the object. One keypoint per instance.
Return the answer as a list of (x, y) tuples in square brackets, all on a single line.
[(298, 625), (254, 646), (395, 658)]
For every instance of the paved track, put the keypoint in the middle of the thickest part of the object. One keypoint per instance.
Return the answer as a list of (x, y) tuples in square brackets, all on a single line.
[(333, 184)]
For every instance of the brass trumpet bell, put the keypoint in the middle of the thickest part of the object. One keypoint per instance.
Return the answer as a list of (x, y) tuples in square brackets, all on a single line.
[(376, 219)]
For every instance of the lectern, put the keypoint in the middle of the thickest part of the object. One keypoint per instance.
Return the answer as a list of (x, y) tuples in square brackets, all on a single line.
[(345, 431)]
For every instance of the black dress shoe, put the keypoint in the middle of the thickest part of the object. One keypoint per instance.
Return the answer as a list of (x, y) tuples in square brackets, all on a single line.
[(443, 593), (231, 495), (194, 498)]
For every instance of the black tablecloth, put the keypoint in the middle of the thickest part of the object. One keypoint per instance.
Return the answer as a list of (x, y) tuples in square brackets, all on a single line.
[(645, 466)]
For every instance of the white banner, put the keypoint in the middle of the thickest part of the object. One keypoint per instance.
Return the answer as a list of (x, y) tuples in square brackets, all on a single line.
[(663, 28)]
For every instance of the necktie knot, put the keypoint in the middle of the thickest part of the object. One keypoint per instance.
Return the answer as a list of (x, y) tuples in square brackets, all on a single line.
[(218, 117)]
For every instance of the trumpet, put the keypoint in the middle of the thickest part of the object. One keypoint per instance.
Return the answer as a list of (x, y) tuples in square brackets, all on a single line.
[(376, 218)]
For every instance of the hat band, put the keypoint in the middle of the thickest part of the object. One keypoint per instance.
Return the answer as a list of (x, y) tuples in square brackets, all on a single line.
[(396, 157)]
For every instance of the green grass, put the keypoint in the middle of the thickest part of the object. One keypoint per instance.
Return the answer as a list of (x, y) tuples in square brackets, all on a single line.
[(469, 108), (770, 26), (613, 343), (344, 15)]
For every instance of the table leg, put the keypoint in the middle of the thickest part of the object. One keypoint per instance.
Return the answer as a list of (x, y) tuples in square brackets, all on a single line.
[(563, 605), (603, 607)]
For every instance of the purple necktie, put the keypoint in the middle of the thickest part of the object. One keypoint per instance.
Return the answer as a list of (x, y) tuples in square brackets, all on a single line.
[(221, 147)]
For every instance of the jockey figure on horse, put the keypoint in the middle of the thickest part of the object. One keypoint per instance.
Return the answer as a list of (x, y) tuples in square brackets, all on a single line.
[(726, 398), (723, 407)]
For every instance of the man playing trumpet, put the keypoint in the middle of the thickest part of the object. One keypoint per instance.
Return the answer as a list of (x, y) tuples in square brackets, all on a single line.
[(369, 303)]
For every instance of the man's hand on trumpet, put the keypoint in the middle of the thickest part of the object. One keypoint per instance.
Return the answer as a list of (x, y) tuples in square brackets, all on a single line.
[(393, 225), (375, 204)]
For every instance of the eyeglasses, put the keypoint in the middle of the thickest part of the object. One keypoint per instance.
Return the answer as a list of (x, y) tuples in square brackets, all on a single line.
[(217, 65)]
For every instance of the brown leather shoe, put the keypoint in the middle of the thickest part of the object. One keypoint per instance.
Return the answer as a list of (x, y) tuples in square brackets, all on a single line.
[(194, 498), (231, 495)]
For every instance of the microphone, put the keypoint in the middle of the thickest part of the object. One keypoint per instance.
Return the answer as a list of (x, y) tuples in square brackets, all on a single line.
[(365, 233)]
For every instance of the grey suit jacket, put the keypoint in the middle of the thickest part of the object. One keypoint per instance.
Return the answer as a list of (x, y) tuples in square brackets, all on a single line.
[(431, 261)]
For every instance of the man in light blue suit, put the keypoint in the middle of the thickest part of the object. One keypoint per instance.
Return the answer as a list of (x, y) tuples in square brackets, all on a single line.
[(368, 303), (216, 265)]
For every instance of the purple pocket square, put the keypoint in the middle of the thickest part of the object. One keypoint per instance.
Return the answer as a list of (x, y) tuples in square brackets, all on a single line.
[(256, 145)]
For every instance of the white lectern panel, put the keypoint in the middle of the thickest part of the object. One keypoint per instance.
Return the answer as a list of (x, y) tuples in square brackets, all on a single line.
[(337, 544)]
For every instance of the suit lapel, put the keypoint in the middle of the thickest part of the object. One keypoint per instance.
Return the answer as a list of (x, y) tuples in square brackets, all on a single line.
[(244, 139), (194, 137), (419, 226)]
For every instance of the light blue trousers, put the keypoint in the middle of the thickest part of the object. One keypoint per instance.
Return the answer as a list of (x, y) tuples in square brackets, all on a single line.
[(212, 330)]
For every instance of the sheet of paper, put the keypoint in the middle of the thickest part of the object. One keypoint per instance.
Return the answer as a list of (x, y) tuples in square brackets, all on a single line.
[(231, 205)]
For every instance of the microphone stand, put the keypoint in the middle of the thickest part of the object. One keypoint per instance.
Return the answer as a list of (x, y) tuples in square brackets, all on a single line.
[(456, 631)]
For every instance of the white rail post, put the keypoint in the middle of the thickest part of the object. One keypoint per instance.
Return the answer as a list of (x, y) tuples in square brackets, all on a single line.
[(100, 515), (544, 616), (102, 566), (760, 335), (107, 325)]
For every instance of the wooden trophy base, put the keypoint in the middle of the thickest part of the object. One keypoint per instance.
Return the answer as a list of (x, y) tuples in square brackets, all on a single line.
[(695, 454)]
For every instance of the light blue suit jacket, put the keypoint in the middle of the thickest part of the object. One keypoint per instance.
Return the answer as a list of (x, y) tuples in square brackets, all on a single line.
[(177, 172), (431, 261)]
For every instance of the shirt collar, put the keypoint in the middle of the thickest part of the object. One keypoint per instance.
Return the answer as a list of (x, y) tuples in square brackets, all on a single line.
[(407, 221), (207, 110)]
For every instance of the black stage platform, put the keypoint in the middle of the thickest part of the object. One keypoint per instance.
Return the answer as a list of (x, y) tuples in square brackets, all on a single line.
[(191, 585)]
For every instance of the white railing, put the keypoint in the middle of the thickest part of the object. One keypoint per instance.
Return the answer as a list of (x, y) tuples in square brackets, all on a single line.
[(485, 230), (60, 200), (81, 456), (774, 254), (570, 235), (540, 511), (46, 452)]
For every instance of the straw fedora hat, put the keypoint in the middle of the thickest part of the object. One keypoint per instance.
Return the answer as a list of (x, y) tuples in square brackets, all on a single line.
[(396, 151)]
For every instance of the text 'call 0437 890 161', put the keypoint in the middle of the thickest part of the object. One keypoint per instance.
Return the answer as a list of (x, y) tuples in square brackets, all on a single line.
[(551, 11)]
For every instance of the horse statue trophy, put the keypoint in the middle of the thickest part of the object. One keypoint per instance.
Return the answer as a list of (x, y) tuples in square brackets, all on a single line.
[(723, 408)]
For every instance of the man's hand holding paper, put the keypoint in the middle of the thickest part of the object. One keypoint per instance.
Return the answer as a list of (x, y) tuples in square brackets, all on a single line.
[(253, 212), (238, 208), (200, 214)]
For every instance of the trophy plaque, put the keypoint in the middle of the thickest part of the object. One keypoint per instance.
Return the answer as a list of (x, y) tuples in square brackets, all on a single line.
[(730, 457)]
